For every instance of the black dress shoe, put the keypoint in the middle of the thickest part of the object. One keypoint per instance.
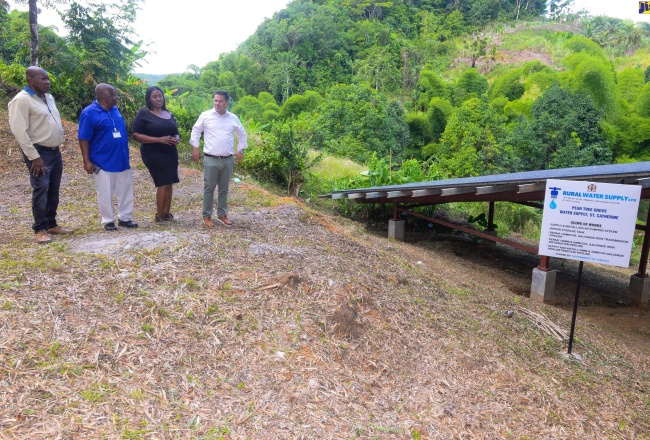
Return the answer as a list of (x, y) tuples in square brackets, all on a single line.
[(127, 224), (110, 226)]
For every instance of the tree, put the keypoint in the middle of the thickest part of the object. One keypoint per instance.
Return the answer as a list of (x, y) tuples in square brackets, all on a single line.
[(353, 121), (283, 74), (564, 131), (582, 44), (307, 46), (437, 116), (514, 110), (247, 71), (379, 70), (14, 33), (453, 25), (294, 156), (628, 35), (473, 142), (282, 158), (595, 76), (630, 134), (642, 102), (518, 4), (102, 35), (559, 8), (509, 85), (476, 47), (369, 9), (630, 83), (538, 78), (228, 81), (410, 171), (479, 12), (471, 84), (618, 35), (430, 86), (262, 109), (33, 25), (419, 130), (249, 108), (33, 33), (297, 104)]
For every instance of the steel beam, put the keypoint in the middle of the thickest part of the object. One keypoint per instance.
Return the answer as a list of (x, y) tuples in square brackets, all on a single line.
[(532, 250)]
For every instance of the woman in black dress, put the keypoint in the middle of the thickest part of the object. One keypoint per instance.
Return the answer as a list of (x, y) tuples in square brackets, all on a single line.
[(156, 130)]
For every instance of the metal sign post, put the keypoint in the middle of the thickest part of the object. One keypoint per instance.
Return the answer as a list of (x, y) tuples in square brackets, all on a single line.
[(575, 307), (587, 221)]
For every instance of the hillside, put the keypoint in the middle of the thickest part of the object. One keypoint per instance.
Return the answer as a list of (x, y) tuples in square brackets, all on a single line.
[(421, 89), (293, 324)]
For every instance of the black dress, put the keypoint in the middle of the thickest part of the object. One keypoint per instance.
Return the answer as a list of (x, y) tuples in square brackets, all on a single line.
[(161, 160)]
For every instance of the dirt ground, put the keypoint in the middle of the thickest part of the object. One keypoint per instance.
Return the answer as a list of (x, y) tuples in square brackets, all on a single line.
[(295, 324)]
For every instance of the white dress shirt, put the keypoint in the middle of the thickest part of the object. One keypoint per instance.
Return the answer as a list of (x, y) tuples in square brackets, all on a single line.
[(218, 133)]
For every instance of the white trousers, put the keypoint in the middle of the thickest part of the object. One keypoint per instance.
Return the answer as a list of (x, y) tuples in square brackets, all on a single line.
[(120, 184)]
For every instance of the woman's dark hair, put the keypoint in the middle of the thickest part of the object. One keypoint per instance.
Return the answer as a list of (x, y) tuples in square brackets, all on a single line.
[(147, 97)]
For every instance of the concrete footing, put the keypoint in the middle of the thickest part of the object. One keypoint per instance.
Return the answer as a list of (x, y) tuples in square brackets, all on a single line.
[(542, 288), (640, 291), (396, 229)]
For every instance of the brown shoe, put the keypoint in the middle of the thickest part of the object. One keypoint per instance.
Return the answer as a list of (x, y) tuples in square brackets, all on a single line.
[(207, 222), (224, 220), (42, 237), (58, 230)]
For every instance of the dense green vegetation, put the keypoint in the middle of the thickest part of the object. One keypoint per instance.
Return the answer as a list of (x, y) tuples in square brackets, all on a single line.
[(100, 47), (413, 89)]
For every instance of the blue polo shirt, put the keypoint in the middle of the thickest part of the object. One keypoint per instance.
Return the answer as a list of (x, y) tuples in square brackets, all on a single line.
[(97, 126)]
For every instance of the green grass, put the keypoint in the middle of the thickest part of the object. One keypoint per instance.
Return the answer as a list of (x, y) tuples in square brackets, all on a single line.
[(98, 392), (640, 59), (527, 39), (333, 167)]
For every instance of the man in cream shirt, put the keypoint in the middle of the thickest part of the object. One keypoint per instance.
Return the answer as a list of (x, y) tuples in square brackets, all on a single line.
[(218, 127), (36, 125)]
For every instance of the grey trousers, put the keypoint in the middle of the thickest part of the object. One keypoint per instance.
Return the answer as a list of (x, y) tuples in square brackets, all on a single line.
[(216, 174)]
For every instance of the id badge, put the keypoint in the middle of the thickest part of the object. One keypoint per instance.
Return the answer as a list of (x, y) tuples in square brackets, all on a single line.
[(117, 135)]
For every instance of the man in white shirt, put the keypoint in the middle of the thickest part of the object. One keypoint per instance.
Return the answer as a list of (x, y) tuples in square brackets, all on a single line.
[(218, 127)]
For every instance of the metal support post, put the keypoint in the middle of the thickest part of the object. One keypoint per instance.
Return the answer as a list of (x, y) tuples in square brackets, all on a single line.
[(544, 263), (490, 226)]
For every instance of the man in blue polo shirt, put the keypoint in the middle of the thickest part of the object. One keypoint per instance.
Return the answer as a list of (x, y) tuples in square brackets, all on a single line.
[(105, 150)]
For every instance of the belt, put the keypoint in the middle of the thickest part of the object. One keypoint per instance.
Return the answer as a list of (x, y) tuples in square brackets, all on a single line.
[(44, 146), (218, 157)]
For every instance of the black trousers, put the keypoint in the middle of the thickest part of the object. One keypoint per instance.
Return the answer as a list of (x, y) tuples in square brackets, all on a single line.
[(45, 194)]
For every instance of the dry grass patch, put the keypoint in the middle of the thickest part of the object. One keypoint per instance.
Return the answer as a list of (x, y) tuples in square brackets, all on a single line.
[(291, 324)]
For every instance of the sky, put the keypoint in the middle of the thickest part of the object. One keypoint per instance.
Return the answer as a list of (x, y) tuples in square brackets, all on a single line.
[(625, 9), (182, 33)]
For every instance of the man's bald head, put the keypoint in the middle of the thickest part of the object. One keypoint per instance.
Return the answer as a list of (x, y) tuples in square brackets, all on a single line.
[(38, 80), (102, 88), (106, 95), (33, 71)]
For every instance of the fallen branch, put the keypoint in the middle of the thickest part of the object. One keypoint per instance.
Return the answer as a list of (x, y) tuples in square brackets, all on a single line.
[(545, 324)]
